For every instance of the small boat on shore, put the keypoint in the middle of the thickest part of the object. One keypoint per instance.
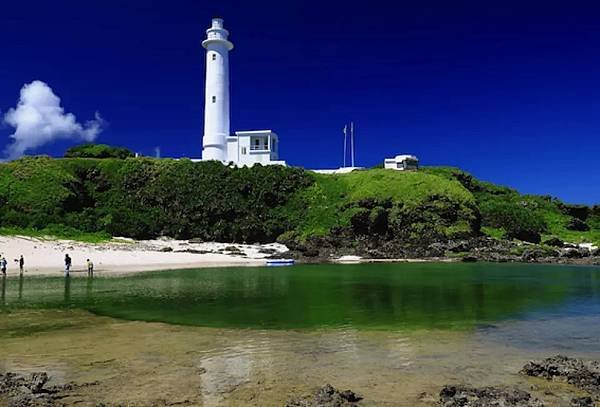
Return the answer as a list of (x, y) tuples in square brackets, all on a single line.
[(280, 262)]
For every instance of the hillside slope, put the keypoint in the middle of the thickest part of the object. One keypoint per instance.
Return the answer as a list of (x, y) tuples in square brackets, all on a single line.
[(375, 212)]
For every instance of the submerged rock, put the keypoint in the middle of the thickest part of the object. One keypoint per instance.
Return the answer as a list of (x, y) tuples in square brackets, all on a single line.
[(327, 396), (584, 375), (464, 396)]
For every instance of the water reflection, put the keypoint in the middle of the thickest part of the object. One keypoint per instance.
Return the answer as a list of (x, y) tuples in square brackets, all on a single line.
[(398, 296), (67, 292), (89, 287), (3, 295), (20, 286)]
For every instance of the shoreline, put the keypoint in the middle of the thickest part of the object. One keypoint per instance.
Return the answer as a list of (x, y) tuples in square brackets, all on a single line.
[(44, 257), (124, 256)]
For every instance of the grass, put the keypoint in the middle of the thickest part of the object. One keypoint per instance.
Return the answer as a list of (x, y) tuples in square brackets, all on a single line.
[(327, 203), (549, 208), (57, 232)]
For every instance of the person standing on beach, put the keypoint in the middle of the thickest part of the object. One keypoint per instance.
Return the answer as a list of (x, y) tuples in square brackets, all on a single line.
[(90, 267), (21, 264), (67, 265), (3, 265)]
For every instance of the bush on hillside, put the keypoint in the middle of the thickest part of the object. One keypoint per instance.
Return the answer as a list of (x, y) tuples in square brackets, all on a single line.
[(91, 150), (146, 198), (517, 219)]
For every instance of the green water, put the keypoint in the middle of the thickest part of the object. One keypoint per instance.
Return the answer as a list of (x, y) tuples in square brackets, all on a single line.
[(370, 296)]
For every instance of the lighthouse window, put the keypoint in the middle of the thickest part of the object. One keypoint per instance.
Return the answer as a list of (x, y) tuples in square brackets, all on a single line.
[(214, 99), (214, 57)]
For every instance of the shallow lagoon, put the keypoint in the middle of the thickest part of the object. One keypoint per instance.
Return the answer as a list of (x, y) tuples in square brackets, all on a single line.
[(254, 336)]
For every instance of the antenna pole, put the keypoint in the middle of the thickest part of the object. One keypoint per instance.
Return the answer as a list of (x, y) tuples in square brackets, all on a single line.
[(352, 141), (345, 147)]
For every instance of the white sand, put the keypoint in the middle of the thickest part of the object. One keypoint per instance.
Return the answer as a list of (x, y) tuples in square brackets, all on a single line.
[(45, 256)]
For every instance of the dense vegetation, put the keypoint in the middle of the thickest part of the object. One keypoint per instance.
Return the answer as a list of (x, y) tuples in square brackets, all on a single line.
[(95, 198), (506, 213), (90, 150)]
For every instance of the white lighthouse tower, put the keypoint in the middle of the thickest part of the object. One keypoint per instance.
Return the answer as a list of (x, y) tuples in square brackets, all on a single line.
[(243, 148), (216, 103)]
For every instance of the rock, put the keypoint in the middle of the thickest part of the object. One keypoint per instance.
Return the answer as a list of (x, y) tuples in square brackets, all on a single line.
[(582, 402), (31, 391), (464, 396), (196, 240), (327, 396), (469, 259), (575, 253), (459, 246), (554, 242), (166, 249), (577, 225), (585, 375), (535, 254), (194, 251), (37, 381)]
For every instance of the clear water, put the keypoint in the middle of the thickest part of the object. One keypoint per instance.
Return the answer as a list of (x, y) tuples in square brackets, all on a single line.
[(365, 296)]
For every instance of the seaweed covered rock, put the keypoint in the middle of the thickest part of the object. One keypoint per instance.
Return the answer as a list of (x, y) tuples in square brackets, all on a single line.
[(584, 375), (465, 396), (327, 396)]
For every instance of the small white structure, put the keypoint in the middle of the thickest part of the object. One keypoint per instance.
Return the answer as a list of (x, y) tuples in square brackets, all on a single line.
[(402, 163), (218, 143), (253, 147), (341, 170)]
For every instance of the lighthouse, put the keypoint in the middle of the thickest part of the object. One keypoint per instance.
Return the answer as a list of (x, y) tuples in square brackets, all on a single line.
[(216, 102), (242, 148)]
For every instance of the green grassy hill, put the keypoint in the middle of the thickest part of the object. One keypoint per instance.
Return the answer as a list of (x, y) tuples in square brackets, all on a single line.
[(93, 199), (504, 209)]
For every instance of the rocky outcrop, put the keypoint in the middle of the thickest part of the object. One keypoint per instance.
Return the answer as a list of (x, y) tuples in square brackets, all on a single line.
[(465, 396), (585, 375), (327, 396), (484, 249)]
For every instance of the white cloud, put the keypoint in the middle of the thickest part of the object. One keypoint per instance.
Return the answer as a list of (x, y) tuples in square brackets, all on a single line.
[(39, 119)]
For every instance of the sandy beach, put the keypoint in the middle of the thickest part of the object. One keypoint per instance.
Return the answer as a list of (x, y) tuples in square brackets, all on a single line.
[(46, 256)]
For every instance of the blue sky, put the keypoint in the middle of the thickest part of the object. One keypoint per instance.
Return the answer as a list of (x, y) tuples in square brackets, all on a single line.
[(509, 91)]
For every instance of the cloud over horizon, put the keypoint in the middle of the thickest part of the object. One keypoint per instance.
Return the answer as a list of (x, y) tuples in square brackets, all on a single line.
[(39, 119)]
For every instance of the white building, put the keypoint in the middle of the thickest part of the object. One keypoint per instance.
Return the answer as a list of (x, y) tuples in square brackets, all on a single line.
[(253, 147), (402, 163), (242, 147)]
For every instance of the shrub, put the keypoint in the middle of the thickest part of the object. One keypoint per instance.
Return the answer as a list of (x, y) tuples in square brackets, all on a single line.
[(91, 150), (517, 220)]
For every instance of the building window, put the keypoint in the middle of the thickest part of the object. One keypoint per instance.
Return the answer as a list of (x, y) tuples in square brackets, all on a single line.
[(214, 57), (243, 150), (214, 99)]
